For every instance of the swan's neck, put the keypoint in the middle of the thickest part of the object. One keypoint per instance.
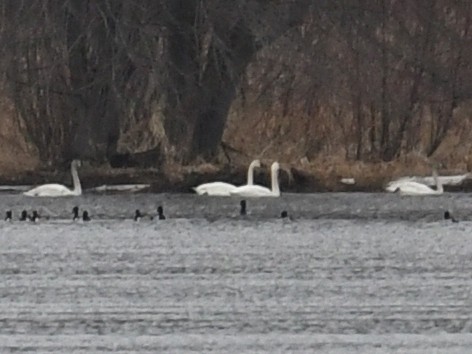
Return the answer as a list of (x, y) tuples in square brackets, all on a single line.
[(439, 186), (250, 174), (275, 181), (75, 179)]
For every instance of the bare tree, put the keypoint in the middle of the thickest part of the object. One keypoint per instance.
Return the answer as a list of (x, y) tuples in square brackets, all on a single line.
[(210, 44), (79, 71), (82, 72)]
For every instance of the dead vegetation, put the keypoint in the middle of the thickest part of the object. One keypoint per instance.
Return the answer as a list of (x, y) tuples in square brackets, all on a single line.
[(330, 89), (16, 154)]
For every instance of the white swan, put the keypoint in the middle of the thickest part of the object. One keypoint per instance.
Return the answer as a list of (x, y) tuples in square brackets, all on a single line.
[(429, 181), (260, 191), (223, 189), (415, 188), (58, 190)]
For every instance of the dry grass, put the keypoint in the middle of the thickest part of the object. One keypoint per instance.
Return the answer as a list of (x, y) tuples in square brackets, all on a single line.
[(319, 150), (16, 155), (299, 144)]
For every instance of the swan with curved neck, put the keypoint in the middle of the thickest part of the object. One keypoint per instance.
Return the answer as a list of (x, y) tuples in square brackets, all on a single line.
[(223, 189), (59, 190), (416, 188), (261, 191)]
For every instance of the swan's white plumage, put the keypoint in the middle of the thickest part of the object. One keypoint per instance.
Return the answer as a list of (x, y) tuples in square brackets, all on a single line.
[(218, 189), (58, 190), (416, 188), (429, 181), (223, 189), (408, 187), (120, 187), (253, 191), (393, 185), (260, 191)]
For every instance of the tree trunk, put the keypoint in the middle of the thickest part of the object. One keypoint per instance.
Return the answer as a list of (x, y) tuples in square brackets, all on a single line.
[(208, 54), (199, 95), (95, 120)]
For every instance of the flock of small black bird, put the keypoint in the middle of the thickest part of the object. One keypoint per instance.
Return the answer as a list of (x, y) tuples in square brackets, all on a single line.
[(34, 216), (138, 215), (160, 214), (24, 216)]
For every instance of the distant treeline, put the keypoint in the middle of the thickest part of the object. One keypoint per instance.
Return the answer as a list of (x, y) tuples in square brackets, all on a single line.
[(390, 74)]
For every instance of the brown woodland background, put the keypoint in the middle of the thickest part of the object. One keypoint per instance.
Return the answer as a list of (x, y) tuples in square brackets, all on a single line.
[(339, 87)]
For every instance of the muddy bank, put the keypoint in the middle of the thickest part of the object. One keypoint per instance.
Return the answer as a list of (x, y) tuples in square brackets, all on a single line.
[(292, 179)]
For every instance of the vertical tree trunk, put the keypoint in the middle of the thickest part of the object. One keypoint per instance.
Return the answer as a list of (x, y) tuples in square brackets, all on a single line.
[(200, 93), (95, 120), (208, 55), (385, 111)]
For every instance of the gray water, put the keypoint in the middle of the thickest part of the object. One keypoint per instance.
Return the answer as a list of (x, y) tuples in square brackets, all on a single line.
[(351, 273)]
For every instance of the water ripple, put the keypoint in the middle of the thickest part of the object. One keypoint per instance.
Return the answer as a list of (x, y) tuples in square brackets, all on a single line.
[(210, 281)]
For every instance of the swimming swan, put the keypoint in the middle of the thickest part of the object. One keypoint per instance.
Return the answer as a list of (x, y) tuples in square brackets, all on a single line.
[(223, 189), (260, 191), (416, 188), (59, 190), (429, 181)]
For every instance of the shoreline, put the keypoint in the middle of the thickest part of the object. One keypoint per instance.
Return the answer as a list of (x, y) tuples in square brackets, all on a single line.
[(294, 181)]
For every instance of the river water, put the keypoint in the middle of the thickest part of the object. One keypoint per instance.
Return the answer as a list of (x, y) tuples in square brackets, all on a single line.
[(350, 273)]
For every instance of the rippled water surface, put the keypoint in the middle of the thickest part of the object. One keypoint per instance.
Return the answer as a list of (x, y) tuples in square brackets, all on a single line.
[(351, 273)]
